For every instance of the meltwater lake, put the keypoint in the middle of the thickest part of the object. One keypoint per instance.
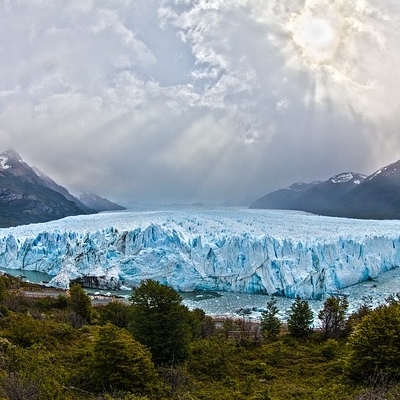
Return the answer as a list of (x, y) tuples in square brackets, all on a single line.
[(228, 303)]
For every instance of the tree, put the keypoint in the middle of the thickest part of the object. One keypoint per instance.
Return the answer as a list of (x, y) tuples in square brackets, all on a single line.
[(80, 302), (357, 316), (374, 346), (300, 318), (333, 316), (116, 313), (3, 289), (270, 325), (120, 362), (203, 325), (161, 322)]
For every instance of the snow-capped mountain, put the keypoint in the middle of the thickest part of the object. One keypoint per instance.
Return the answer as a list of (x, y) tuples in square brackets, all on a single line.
[(377, 197), (255, 251), (346, 195), (324, 197), (98, 203), (315, 197), (28, 196)]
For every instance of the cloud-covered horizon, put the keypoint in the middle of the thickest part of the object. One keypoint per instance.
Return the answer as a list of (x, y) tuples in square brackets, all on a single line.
[(201, 100)]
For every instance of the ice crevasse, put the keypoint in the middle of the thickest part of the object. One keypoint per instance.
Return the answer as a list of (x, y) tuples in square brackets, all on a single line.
[(271, 252)]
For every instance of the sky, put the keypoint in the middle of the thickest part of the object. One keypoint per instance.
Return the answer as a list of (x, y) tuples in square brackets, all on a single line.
[(199, 100)]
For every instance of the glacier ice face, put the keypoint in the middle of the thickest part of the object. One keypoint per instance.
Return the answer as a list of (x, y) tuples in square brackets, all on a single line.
[(254, 251)]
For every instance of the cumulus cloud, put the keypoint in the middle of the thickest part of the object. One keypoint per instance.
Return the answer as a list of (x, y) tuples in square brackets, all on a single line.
[(199, 100)]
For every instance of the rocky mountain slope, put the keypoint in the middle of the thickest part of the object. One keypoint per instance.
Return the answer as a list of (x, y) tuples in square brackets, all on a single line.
[(27, 196)]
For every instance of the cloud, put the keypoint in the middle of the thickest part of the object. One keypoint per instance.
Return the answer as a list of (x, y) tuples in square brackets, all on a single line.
[(199, 100)]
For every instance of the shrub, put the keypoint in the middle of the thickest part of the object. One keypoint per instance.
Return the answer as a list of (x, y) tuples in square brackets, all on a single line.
[(374, 346), (120, 362)]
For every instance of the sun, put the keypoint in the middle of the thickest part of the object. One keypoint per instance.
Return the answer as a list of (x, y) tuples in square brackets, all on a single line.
[(317, 34)]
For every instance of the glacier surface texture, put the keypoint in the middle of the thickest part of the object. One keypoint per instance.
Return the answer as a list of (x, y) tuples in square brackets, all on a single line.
[(255, 251)]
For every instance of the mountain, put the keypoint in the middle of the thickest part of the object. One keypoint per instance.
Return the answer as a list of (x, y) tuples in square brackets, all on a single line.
[(324, 197), (285, 199), (98, 203), (377, 197), (47, 181), (349, 194), (28, 197)]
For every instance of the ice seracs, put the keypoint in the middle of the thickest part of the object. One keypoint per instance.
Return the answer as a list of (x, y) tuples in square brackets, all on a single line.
[(253, 251)]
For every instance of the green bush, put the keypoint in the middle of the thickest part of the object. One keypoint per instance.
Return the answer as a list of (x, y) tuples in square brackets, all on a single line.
[(374, 346), (212, 357), (329, 349), (121, 363)]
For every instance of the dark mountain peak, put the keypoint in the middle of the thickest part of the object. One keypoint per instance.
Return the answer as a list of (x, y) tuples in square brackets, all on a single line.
[(13, 167), (29, 196), (11, 154), (346, 177), (391, 171), (95, 202), (8, 158)]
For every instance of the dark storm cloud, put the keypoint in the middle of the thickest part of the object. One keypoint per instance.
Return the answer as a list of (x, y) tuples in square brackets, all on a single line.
[(199, 100)]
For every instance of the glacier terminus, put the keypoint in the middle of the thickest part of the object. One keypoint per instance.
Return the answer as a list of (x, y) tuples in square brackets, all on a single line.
[(271, 252)]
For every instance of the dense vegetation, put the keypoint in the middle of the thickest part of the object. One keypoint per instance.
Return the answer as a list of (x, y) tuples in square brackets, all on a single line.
[(155, 348)]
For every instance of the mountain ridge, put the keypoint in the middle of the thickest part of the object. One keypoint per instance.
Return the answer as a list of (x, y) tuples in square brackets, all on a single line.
[(27, 195), (348, 194), (95, 202)]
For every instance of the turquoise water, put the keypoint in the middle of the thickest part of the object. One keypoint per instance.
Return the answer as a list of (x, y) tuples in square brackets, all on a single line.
[(227, 303), (30, 276)]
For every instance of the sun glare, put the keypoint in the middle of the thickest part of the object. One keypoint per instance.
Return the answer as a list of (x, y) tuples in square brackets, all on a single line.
[(317, 37), (319, 33)]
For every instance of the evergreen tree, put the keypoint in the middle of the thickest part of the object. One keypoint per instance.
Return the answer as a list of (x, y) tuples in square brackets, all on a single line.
[(270, 325), (300, 318), (333, 316), (161, 322), (80, 302)]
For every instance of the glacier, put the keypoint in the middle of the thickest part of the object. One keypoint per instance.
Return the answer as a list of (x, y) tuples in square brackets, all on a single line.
[(271, 252)]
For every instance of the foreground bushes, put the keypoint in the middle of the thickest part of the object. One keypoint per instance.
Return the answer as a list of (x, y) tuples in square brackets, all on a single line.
[(64, 349)]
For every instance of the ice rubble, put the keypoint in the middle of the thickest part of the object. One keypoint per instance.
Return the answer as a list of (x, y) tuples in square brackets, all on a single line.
[(252, 251)]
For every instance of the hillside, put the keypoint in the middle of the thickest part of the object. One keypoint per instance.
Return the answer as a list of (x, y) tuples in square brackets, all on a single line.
[(27, 197)]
